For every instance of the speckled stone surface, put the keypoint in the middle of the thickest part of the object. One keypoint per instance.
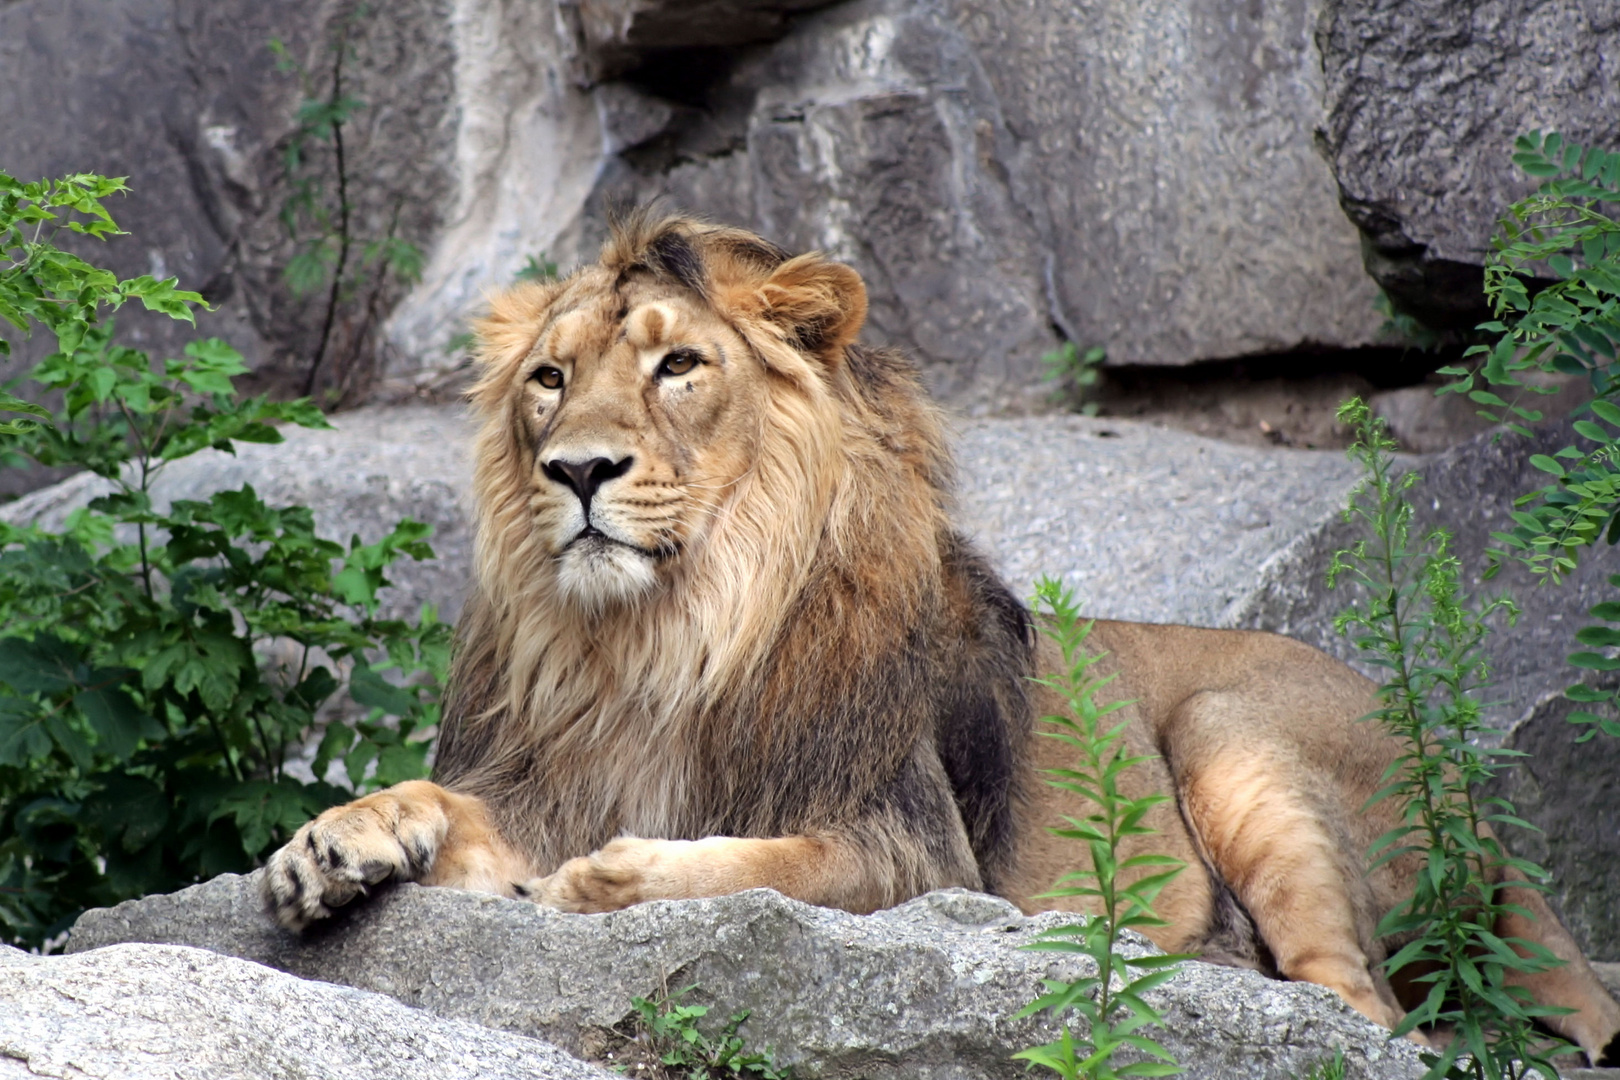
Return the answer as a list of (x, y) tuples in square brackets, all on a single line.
[(161, 1012), (925, 990), (1145, 522)]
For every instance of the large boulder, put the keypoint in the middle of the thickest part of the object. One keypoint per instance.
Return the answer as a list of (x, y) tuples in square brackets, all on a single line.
[(1003, 173), (189, 102), (928, 989), (1424, 101), (156, 1012), (1139, 177)]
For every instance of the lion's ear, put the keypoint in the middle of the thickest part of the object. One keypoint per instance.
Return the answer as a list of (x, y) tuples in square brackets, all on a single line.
[(508, 330), (821, 304)]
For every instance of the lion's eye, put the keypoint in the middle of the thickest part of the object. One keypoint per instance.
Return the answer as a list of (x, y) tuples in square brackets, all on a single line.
[(549, 377), (679, 362)]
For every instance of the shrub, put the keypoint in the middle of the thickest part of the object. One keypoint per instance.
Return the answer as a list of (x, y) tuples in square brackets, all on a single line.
[(161, 668), (1568, 325)]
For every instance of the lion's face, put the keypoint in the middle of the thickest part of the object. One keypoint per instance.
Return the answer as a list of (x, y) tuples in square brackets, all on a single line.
[(663, 432), (634, 403)]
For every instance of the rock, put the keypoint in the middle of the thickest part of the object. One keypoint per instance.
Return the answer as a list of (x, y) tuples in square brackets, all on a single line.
[(614, 36), (1145, 523), (145, 1012), (1137, 177), (928, 989), (1005, 173), (1424, 102), (186, 100)]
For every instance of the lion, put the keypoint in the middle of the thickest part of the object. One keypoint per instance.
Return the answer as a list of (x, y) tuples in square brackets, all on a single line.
[(722, 636)]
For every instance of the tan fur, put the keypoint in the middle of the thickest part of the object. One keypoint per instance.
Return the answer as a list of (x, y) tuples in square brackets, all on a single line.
[(723, 636)]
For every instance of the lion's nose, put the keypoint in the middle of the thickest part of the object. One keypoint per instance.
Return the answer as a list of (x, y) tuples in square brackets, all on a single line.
[(584, 477)]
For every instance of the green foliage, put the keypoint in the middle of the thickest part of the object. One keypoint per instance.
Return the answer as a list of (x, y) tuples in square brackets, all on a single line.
[(1076, 374), (538, 268), (1403, 327), (1329, 1069), (1570, 326), (321, 222), (40, 283), (1123, 888), (160, 668), (1415, 623), (667, 1033)]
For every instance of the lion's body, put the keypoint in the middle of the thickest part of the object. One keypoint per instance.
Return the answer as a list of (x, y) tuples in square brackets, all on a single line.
[(723, 636)]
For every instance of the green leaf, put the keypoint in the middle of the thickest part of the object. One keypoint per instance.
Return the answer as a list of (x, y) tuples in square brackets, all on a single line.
[(45, 665), (1547, 465), (1606, 411), (23, 738), (118, 722)]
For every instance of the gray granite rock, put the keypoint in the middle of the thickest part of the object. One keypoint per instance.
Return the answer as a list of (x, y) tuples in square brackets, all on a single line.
[(1145, 523), (928, 989), (1137, 176), (1424, 101), (156, 1012)]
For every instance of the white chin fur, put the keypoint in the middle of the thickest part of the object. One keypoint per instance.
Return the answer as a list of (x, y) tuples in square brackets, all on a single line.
[(599, 576)]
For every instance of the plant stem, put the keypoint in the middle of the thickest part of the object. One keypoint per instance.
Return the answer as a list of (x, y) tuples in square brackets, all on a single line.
[(335, 293)]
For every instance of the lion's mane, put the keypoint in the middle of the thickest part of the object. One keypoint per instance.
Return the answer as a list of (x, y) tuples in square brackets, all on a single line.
[(800, 657)]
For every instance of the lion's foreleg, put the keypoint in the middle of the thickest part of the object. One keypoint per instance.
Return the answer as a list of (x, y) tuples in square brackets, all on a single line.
[(415, 831), (828, 869), (910, 839)]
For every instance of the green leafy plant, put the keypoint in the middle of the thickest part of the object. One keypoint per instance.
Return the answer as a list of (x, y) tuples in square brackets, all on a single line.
[(1123, 888), (664, 1040), (1404, 328), (1415, 623), (538, 268), (1328, 1069), (1076, 374), (40, 283), (322, 223), (1571, 326), (163, 669)]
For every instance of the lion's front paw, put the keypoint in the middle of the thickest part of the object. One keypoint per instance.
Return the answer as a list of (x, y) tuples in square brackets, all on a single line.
[(626, 871), (339, 855)]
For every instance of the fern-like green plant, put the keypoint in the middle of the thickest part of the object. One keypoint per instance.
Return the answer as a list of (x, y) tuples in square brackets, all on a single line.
[(1123, 889), (1569, 325), (1414, 623)]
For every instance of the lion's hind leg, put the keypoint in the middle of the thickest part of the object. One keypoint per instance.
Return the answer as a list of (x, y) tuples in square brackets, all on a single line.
[(1290, 869), (415, 831)]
